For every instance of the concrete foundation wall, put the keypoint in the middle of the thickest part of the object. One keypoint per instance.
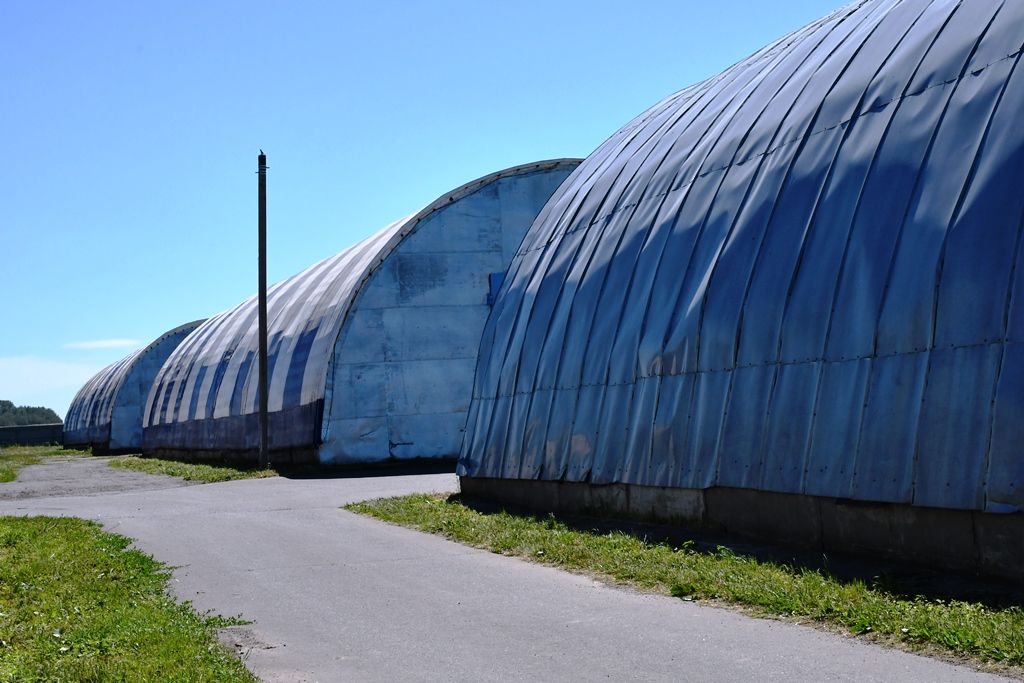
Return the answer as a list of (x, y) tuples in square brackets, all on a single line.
[(31, 435), (962, 540)]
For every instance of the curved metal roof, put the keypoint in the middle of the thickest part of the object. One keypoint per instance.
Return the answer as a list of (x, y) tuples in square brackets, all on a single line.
[(89, 416), (800, 275), (214, 373)]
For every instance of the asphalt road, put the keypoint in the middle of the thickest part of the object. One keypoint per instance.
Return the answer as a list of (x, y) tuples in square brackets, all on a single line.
[(338, 597)]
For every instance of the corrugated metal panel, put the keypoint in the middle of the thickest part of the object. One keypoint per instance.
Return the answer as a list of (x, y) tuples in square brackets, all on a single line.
[(205, 396), (801, 275), (115, 394)]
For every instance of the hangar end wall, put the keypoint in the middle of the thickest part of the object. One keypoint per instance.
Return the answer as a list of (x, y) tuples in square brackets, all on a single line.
[(126, 418), (402, 370)]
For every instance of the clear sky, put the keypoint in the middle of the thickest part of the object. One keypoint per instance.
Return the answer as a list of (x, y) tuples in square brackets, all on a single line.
[(131, 129)]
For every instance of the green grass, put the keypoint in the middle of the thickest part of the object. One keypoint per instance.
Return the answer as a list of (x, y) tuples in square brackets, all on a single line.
[(76, 604), (13, 458), (962, 628), (190, 471)]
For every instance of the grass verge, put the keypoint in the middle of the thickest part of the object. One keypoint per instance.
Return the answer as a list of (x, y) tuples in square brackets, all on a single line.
[(190, 471), (76, 604), (13, 458), (962, 628)]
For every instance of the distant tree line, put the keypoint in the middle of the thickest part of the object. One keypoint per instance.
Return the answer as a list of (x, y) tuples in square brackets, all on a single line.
[(12, 415)]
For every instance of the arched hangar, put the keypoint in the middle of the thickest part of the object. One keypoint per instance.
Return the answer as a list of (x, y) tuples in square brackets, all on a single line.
[(371, 351), (784, 293)]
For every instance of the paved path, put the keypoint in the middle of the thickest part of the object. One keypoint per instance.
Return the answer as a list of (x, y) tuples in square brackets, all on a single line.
[(339, 597)]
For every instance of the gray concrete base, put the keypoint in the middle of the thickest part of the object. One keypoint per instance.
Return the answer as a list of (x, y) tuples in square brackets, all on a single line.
[(961, 540)]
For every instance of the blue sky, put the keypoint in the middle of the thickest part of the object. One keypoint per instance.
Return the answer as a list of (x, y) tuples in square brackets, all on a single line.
[(128, 200)]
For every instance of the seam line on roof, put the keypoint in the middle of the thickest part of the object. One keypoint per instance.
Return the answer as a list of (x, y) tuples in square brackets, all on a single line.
[(769, 51), (407, 360), (873, 110), (745, 366)]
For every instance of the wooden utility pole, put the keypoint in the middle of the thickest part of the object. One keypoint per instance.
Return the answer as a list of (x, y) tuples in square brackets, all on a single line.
[(262, 174)]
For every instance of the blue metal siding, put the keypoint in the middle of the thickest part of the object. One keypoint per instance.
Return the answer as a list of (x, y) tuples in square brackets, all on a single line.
[(801, 275)]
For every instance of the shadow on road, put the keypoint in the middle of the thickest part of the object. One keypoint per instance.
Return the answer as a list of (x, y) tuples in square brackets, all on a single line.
[(395, 468), (247, 465)]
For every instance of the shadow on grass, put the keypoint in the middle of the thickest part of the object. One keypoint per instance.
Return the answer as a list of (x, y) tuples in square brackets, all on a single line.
[(900, 579), (388, 468)]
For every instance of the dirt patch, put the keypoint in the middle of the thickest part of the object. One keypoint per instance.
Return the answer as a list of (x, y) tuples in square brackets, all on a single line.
[(242, 639), (80, 477)]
